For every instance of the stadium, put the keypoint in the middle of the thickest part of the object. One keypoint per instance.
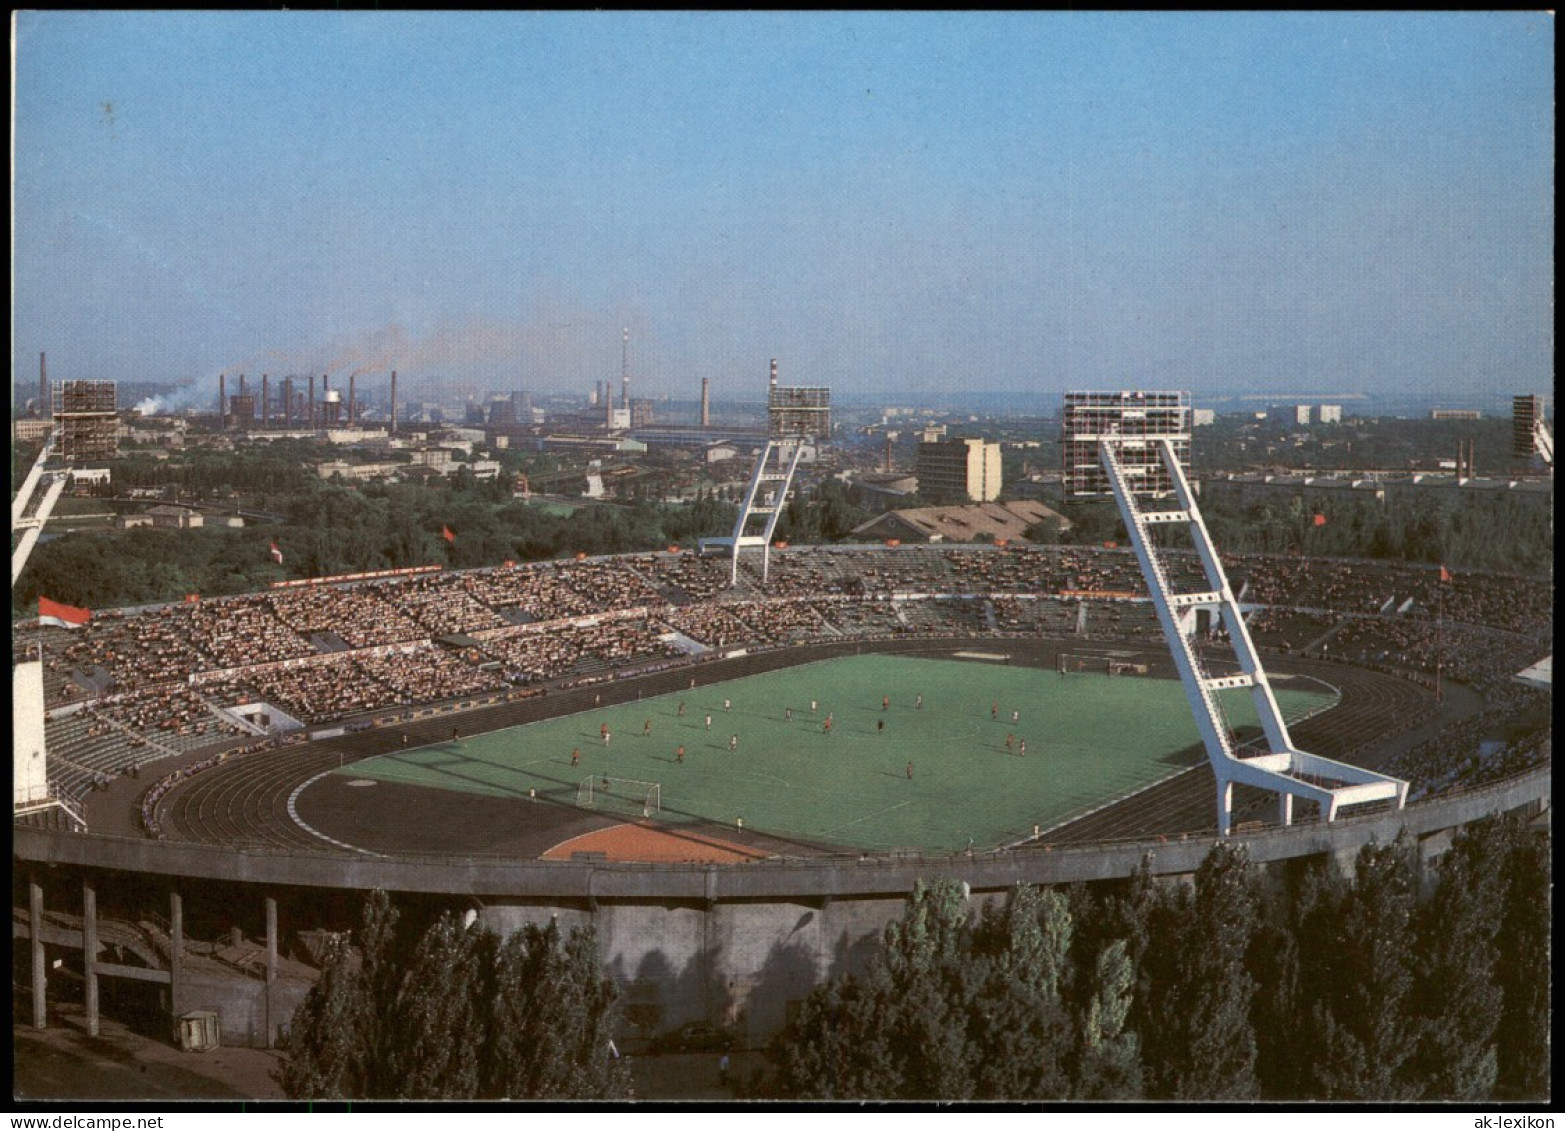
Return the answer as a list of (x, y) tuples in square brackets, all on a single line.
[(738, 786)]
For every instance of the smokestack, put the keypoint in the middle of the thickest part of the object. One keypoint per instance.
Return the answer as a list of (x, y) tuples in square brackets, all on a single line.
[(393, 431), (608, 408), (706, 404), (625, 369), (241, 384), (351, 379), (774, 372), (265, 399), (326, 420), (43, 386), (222, 400)]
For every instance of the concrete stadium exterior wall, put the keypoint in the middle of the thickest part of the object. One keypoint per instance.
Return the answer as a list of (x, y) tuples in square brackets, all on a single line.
[(737, 943)]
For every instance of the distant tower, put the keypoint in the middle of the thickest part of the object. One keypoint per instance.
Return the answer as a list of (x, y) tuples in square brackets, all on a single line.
[(706, 404), (352, 384), (624, 371), (288, 403)]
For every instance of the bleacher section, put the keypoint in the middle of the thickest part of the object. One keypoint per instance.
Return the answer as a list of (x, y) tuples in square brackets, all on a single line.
[(329, 652)]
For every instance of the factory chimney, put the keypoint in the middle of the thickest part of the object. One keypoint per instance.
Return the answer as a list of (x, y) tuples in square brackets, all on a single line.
[(222, 401), (265, 399), (774, 372), (241, 384), (624, 369), (706, 404), (288, 403), (43, 386), (351, 380), (393, 431), (326, 415)]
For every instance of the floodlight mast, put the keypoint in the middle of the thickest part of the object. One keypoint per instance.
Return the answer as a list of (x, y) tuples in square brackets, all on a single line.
[(795, 417), (1281, 768)]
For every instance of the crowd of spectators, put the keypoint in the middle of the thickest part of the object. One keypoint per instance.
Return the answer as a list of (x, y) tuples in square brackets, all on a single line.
[(536, 656), (1384, 615), (424, 673), (358, 614), (443, 608), (239, 630)]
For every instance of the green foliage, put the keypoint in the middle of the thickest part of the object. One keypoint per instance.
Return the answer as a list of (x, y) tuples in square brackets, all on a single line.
[(1109, 1066), (464, 1016), (1368, 1030), (1524, 969), (1457, 996)]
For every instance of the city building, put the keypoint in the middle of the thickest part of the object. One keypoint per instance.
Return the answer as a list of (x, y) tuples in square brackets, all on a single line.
[(965, 468), (1455, 414), (1331, 414)]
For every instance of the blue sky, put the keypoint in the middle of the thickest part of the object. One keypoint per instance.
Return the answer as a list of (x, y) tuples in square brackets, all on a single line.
[(896, 205)]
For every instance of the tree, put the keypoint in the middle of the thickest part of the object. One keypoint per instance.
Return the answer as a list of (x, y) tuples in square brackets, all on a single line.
[(337, 1046), (1211, 998), (553, 1019), (1524, 968), (1368, 1030), (1109, 1065), (465, 1016), (1456, 995), (1020, 1033)]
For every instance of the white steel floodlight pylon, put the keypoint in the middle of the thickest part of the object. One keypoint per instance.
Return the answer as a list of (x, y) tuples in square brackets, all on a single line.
[(796, 416), (1283, 768)]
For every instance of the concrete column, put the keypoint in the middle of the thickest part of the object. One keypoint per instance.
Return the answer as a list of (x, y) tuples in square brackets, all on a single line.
[(1285, 807), (40, 975), (271, 966), (90, 955), (176, 952)]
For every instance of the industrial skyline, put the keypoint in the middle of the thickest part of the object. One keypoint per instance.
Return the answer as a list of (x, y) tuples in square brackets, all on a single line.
[(896, 205)]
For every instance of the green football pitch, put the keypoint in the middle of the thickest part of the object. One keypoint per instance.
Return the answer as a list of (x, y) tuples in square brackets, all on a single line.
[(1090, 739)]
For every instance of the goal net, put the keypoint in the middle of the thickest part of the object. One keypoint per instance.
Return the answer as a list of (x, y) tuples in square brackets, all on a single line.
[(1073, 663), (620, 795)]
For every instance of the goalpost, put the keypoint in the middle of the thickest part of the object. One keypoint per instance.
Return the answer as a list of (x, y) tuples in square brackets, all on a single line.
[(1074, 663), (620, 795)]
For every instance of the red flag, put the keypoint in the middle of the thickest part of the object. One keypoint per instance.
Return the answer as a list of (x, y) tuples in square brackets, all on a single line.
[(1320, 520), (445, 532), (1111, 545), (61, 616), (277, 555), (1445, 574)]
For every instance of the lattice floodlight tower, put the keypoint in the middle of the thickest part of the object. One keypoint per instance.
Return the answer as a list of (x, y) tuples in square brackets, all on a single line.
[(1140, 441), (796, 415)]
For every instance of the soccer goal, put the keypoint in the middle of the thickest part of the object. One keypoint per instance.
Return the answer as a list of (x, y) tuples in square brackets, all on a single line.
[(1074, 663), (620, 795)]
